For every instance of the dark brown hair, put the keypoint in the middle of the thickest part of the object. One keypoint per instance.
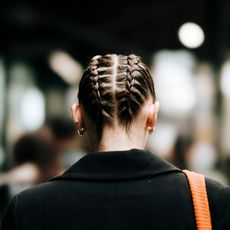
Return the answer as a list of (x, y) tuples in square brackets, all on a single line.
[(113, 88)]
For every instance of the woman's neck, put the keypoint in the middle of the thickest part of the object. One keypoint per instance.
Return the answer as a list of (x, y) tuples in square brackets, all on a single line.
[(118, 139)]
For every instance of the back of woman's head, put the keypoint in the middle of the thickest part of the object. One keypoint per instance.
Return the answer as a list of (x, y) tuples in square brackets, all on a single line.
[(113, 89)]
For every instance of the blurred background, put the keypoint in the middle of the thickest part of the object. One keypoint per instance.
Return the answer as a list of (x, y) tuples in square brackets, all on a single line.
[(44, 48)]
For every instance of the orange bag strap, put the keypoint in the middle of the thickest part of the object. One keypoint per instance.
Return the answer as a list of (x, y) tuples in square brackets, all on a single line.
[(200, 200)]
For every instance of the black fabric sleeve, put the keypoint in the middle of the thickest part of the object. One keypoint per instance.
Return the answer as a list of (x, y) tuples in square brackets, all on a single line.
[(223, 210), (9, 218)]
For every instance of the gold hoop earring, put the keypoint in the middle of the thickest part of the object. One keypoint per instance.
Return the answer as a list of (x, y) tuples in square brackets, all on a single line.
[(81, 131), (150, 129)]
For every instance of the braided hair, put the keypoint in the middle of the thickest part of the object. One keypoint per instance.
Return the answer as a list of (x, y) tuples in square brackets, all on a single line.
[(113, 88)]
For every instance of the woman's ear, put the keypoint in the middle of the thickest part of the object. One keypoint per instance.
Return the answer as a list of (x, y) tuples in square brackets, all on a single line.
[(152, 116), (77, 116)]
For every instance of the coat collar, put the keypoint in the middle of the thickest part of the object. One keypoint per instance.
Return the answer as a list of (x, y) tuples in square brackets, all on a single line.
[(117, 165)]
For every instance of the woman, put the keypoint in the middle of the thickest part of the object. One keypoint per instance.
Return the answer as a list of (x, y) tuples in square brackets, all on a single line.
[(118, 185)]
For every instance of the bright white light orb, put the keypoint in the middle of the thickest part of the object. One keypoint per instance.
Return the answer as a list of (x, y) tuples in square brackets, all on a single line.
[(191, 35), (32, 109)]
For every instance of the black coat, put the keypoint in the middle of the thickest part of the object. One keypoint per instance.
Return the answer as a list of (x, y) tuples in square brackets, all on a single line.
[(116, 190)]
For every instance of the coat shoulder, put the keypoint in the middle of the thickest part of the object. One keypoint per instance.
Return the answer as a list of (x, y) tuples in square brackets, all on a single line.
[(219, 203), (38, 193)]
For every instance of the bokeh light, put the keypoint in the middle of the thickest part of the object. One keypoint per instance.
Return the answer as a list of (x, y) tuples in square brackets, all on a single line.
[(191, 35)]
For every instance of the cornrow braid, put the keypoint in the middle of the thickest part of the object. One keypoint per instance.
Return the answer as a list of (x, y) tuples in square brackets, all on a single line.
[(113, 89), (134, 95), (99, 74)]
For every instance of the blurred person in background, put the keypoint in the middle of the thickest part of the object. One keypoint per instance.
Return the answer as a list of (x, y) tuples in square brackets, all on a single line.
[(118, 184), (34, 160), (39, 156), (180, 151)]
